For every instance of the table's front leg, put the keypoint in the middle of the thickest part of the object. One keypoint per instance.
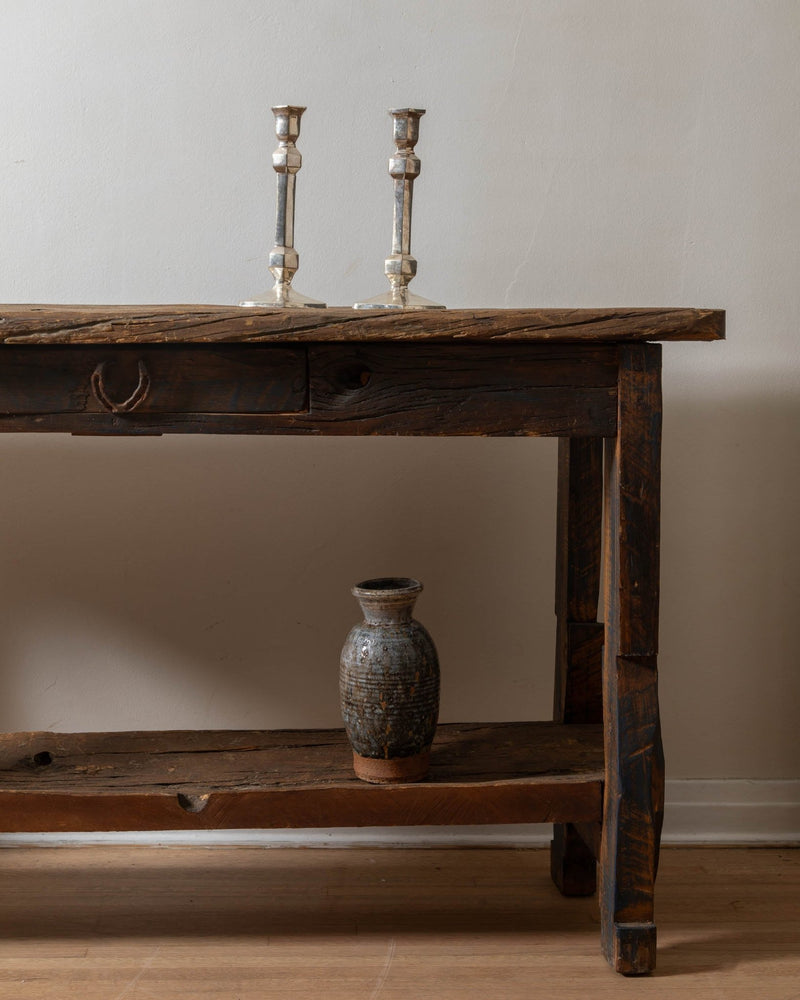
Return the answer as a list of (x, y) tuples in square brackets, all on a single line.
[(634, 786), (579, 637)]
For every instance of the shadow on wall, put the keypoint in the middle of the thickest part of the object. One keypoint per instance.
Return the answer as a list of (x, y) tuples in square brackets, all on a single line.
[(204, 582), (729, 677)]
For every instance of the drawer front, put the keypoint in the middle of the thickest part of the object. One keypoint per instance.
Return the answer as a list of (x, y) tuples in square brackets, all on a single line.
[(131, 381), (481, 389)]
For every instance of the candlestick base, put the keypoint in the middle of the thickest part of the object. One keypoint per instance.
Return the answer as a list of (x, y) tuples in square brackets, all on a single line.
[(398, 299), (282, 297)]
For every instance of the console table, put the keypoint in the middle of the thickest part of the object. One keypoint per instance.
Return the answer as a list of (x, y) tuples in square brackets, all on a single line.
[(590, 377)]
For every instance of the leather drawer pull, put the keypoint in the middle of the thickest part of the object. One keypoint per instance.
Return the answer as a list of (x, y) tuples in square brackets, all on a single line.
[(128, 405)]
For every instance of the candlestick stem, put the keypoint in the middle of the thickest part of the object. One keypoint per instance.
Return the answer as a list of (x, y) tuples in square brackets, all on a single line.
[(400, 266), (284, 260)]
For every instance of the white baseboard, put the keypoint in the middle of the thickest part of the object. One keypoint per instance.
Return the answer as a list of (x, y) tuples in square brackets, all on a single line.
[(732, 812), (698, 812)]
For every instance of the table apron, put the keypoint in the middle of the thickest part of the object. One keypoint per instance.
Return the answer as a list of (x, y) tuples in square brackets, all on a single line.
[(331, 389)]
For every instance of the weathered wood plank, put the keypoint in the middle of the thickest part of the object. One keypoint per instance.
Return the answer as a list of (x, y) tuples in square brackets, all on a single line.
[(294, 758), (462, 389), (579, 637), (634, 798), (480, 773), (592, 836), (543, 800), (345, 389), (547, 413), (143, 424), (635, 499), (579, 528), (580, 687), (198, 379), (96, 324)]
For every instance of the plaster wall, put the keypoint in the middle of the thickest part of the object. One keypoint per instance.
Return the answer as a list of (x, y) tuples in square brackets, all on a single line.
[(574, 153)]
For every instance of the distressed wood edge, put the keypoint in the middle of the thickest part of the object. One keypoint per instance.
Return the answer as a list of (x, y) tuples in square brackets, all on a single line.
[(637, 501), (573, 867), (46, 323), (29, 754), (333, 799), (631, 949), (579, 528), (633, 808), (422, 804)]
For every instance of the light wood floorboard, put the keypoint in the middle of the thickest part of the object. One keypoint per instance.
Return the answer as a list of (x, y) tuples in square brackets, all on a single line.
[(118, 923)]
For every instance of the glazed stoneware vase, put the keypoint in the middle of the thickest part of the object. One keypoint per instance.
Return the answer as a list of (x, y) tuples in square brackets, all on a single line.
[(389, 684)]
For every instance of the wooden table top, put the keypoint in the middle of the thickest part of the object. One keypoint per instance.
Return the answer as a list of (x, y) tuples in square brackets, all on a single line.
[(163, 324)]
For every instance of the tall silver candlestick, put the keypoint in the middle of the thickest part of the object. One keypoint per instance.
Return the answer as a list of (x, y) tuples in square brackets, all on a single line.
[(400, 267), (284, 259)]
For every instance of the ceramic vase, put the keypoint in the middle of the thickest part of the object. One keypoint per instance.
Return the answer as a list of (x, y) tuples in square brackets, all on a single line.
[(389, 684)]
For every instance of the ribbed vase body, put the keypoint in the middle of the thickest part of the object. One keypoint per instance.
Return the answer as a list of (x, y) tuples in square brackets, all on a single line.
[(389, 684)]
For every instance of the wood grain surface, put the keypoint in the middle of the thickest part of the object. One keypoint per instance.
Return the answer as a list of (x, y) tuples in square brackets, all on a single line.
[(182, 379), (480, 773), (97, 324), (580, 374), (474, 389), (244, 923), (579, 636), (333, 389), (634, 801)]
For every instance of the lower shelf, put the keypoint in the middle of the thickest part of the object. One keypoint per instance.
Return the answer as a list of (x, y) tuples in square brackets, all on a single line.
[(518, 772)]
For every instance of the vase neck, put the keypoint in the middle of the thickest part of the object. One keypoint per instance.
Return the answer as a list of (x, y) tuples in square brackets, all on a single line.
[(387, 601), (375, 614)]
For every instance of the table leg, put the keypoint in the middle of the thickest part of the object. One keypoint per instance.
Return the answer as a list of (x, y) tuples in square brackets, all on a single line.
[(579, 640), (634, 782)]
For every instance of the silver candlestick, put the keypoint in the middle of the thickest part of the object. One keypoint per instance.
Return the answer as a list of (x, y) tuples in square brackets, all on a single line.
[(284, 259), (400, 267)]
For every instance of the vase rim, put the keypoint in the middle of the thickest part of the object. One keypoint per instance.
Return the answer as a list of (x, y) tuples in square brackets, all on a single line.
[(388, 586)]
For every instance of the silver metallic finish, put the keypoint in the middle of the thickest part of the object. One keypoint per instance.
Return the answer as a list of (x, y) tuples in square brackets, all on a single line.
[(284, 259), (400, 266)]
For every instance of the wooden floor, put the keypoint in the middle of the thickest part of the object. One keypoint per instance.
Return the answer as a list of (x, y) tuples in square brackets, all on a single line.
[(114, 923)]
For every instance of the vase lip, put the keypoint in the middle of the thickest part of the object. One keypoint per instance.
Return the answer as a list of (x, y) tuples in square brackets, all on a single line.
[(387, 587)]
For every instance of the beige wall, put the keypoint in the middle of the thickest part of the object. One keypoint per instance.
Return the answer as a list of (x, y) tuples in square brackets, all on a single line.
[(574, 153)]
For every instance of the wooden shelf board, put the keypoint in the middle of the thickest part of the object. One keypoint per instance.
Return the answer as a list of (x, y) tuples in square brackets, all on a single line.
[(520, 772)]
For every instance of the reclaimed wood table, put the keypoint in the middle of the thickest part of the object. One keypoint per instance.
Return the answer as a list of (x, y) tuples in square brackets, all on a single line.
[(591, 377)]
